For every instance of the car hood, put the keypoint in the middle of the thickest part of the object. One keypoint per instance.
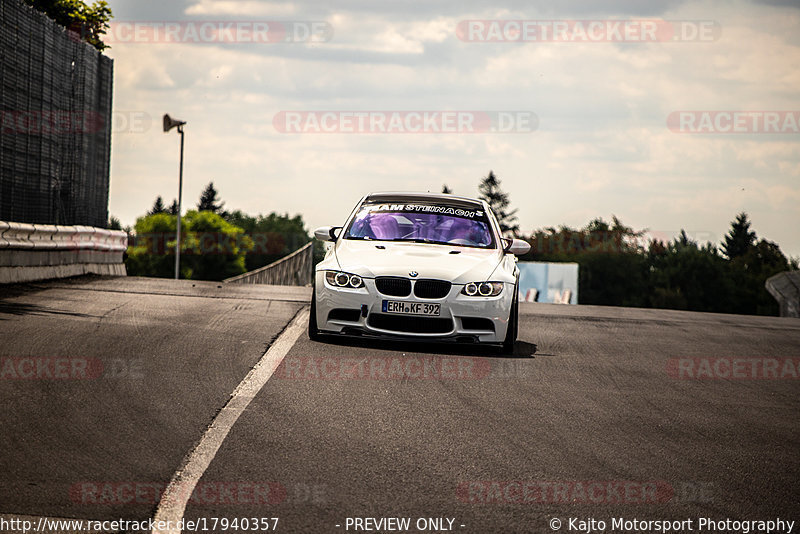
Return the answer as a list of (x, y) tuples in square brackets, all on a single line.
[(459, 265)]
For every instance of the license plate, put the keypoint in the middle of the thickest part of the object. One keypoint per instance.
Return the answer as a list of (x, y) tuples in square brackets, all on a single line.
[(411, 308)]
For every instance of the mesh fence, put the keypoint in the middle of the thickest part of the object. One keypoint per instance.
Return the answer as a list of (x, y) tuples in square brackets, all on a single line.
[(55, 137)]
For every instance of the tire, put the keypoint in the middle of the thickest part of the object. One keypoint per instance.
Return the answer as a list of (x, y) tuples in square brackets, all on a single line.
[(313, 331), (513, 328)]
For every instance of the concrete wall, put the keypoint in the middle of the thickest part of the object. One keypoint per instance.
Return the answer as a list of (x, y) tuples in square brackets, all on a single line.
[(31, 252)]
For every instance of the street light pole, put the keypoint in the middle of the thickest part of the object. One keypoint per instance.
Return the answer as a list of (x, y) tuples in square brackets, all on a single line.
[(180, 201), (170, 123)]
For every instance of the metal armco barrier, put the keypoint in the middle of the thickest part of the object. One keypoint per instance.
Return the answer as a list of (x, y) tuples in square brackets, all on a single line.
[(40, 251), (785, 288), (293, 270)]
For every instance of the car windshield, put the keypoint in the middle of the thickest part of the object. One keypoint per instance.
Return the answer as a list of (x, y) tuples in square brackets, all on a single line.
[(421, 224)]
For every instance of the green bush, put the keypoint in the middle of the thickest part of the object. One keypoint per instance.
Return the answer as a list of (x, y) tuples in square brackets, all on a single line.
[(211, 247)]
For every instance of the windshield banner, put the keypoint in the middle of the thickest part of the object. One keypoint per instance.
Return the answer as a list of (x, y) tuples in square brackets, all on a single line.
[(425, 208)]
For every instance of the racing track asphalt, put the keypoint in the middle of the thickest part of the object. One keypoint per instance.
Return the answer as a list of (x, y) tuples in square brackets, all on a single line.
[(411, 437)]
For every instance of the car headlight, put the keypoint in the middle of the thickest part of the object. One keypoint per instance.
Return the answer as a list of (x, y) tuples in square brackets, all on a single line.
[(482, 289), (341, 279)]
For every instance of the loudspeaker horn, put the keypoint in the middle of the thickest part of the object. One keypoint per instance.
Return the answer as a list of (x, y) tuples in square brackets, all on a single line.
[(170, 123)]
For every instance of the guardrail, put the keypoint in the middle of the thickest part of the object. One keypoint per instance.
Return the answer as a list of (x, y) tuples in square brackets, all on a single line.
[(40, 251), (296, 269), (785, 288)]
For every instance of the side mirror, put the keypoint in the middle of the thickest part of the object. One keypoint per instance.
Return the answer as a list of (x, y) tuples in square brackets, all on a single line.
[(327, 233), (518, 247)]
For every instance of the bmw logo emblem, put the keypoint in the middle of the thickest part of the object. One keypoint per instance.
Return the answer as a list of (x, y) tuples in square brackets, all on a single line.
[(413, 274)]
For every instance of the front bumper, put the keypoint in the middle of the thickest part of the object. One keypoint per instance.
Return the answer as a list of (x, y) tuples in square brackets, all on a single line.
[(359, 312)]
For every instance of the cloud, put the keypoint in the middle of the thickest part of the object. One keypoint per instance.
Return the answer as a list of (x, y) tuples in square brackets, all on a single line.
[(786, 3), (241, 8), (602, 145), (418, 9)]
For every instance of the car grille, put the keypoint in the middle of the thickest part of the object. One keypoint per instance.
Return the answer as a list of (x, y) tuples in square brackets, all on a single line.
[(411, 325), (431, 289), (393, 286)]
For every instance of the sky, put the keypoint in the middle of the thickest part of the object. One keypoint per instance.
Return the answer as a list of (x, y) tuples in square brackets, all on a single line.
[(667, 114)]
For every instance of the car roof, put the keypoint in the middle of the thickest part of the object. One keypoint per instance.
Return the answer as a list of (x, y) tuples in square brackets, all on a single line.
[(407, 197)]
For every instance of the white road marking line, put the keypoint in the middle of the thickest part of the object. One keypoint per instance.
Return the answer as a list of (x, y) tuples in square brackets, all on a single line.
[(173, 502)]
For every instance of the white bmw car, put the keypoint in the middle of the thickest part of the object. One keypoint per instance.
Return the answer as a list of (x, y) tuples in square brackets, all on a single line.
[(418, 266)]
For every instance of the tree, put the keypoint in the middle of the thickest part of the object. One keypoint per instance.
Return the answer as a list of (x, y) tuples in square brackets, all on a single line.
[(158, 206), (211, 247), (740, 239), (152, 250), (446, 190), (114, 223), (89, 22), (612, 267), (683, 275), (490, 191), (617, 269), (214, 248), (273, 235), (209, 200), (749, 273), (173, 208)]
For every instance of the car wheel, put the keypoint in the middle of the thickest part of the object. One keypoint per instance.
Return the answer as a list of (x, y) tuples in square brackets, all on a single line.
[(313, 331), (513, 328)]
